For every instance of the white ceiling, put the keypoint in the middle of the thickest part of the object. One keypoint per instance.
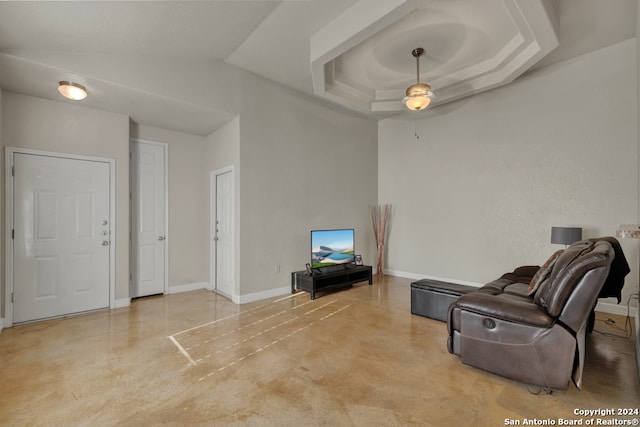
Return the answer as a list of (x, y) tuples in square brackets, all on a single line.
[(353, 53)]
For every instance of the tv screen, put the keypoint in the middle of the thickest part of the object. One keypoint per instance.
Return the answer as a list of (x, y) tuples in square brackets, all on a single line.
[(332, 247)]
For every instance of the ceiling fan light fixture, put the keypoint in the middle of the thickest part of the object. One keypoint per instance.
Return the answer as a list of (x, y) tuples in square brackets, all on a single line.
[(419, 95), (71, 90)]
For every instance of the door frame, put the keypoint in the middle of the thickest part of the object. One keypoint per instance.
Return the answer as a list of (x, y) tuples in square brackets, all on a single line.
[(165, 146), (9, 205), (213, 214)]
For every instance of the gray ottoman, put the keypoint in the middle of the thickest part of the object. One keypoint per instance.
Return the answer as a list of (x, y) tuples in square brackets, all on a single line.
[(431, 298)]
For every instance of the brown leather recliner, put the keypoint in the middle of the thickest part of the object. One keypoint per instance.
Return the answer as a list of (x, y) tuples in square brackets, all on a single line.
[(538, 338)]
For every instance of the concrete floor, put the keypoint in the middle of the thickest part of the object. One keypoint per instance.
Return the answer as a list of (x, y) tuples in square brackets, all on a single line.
[(356, 357)]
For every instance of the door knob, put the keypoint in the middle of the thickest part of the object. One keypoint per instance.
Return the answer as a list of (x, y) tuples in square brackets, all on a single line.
[(160, 238), (105, 243)]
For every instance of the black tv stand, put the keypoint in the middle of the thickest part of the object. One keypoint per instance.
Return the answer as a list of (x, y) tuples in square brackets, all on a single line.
[(341, 277), (332, 268)]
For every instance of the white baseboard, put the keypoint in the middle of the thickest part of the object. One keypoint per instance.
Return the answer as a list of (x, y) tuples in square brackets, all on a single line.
[(188, 287), (426, 276), (257, 296), (237, 299), (122, 302), (619, 309)]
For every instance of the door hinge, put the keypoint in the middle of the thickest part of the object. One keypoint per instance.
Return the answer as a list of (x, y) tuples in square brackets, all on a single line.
[(13, 233), (12, 297), (13, 171)]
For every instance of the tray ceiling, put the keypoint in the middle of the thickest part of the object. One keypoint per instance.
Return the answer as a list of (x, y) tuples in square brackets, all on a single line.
[(363, 59)]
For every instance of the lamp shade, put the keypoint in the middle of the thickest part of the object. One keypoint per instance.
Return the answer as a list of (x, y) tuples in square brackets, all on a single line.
[(565, 235)]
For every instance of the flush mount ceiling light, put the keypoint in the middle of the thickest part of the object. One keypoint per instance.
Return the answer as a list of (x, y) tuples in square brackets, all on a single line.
[(73, 91), (419, 95)]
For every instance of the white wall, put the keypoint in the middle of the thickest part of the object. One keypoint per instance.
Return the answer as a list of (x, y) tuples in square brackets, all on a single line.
[(188, 204), (477, 194), (40, 124), (303, 167)]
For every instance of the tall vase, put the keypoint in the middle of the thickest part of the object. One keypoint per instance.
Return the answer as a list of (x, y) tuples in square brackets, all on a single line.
[(380, 262), (379, 219)]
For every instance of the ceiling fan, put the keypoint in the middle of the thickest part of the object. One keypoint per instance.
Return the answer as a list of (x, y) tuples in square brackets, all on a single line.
[(418, 95)]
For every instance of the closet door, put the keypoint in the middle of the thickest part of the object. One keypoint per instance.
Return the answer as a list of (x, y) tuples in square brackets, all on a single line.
[(148, 207)]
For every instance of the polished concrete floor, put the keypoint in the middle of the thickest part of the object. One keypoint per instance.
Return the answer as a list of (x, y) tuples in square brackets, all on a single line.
[(356, 357)]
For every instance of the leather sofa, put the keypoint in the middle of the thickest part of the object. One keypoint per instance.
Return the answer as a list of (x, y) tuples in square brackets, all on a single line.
[(530, 325)]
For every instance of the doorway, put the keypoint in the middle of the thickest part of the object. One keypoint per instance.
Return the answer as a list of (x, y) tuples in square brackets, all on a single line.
[(149, 207), (60, 246), (222, 263)]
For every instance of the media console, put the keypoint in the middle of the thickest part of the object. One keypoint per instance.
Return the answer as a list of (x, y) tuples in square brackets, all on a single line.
[(334, 279)]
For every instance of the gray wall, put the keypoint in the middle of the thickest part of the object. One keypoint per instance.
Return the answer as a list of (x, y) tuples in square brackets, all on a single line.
[(303, 167), (477, 194)]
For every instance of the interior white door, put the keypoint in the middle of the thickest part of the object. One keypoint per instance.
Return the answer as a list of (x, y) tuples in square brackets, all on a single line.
[(224, 224), (61, 236), (147, 219)]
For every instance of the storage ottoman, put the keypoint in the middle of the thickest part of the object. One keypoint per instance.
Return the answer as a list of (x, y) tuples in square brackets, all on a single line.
[(431, 298)]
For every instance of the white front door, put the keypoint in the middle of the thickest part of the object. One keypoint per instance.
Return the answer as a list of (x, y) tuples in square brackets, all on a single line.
[(148, 236), (223, 226), (61, 230)]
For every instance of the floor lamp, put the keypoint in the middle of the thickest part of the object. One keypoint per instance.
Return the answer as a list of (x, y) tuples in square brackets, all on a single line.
[(632, 231)]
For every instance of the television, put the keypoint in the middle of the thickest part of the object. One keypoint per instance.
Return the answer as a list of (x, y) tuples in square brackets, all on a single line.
[(332, 247)]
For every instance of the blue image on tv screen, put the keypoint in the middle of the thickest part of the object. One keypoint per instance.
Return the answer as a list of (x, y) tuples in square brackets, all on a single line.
[(331, 247)]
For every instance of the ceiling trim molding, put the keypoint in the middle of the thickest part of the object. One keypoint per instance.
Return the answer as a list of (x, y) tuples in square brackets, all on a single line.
[(525, 35)]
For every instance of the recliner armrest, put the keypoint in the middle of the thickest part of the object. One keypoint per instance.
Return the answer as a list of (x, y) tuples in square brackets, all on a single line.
[(522, 274), (526, 270), (517, 310)]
